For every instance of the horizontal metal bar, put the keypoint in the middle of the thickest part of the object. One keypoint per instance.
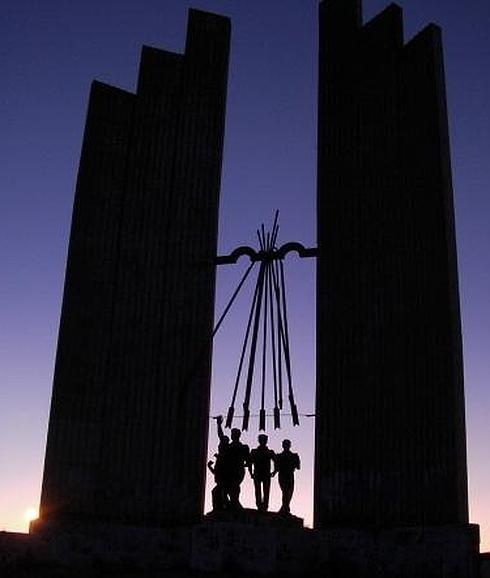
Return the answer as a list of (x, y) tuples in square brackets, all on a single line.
[(273, 255), (267, 415)]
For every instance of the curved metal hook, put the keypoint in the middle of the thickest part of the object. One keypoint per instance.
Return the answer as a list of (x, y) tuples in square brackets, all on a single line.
[(303, 252)]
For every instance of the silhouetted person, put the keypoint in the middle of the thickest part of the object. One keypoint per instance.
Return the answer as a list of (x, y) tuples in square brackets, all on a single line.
[(286, 463), (259, 467), (219, 493), (235, 459)]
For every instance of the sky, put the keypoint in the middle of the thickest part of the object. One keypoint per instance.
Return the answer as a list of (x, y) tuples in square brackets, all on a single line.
[(51, 51)]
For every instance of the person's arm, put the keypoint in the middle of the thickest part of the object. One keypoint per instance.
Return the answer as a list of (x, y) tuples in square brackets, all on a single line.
[(245, 450), (219, 422), (276, 469), (210, 466), (250, 464), (272, 456), (298, 463)]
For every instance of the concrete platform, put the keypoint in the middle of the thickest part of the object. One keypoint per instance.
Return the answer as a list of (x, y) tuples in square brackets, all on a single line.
[(255, 518), (240, 548), (485, 565)]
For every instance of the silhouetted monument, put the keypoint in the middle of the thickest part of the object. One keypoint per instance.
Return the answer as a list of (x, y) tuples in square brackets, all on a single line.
[(390, 428), (128, 428), (134, 350)]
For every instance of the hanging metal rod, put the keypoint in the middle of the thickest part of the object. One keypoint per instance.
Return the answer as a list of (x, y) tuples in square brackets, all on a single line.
[(267, 255)]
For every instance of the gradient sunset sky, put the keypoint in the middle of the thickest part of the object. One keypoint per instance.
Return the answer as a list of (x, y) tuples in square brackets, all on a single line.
[(51, 51)]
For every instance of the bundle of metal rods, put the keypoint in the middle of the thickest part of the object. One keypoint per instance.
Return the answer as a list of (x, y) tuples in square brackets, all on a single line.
[(268, 315)]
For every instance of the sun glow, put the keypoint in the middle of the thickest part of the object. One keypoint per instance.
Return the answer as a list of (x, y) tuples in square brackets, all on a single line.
[(31, 514)]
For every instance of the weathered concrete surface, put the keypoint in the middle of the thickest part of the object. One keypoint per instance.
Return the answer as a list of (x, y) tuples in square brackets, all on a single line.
[(127, 439), (390, 444), (485, 565), (242, 549), (255, 518)]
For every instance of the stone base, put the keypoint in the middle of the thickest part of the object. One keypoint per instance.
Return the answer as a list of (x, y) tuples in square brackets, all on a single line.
[(416, 552), (233, 548), (437, 552), (485, 565), (255, 518)]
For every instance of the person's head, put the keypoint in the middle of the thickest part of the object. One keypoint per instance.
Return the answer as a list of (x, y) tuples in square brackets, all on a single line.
[(235, 434), (263, 440), (286, 445)]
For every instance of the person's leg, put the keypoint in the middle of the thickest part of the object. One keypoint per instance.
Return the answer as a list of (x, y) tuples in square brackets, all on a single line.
[(216, 498), (234, 493), (282, 485), (225, 499), (258, 493), (286, 484), (239, 480), (287, 495), (267, 489)]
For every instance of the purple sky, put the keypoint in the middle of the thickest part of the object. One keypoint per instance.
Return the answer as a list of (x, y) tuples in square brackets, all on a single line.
[(52, 50)]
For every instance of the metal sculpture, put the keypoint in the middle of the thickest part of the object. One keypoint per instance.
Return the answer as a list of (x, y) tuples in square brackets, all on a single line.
[(267, 327)]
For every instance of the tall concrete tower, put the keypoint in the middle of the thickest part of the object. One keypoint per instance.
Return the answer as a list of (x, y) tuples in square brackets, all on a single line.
[(390, 435), (129, 414)]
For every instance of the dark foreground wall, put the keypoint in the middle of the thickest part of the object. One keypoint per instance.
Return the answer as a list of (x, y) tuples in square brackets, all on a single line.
[(129, 414), (390, 437), (228, 550)]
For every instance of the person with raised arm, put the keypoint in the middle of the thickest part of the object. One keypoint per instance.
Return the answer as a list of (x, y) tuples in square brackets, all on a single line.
[(235, 460)]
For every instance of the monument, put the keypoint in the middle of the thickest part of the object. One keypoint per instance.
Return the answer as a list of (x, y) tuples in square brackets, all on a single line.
[(134, 350), (390, 423), (390, 426), (134, 353)]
